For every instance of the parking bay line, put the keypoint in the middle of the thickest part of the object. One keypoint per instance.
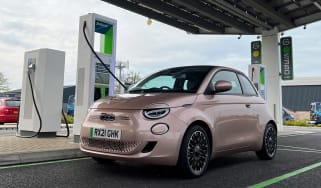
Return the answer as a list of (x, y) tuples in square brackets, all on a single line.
[(43, 163), (298, 134), (285, 176), (299, 148), (304, 151)]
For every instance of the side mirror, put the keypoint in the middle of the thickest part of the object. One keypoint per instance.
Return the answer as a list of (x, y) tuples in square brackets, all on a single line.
[(222, 86)]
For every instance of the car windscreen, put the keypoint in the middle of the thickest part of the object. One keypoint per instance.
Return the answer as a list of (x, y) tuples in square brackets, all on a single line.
[(181, 79), (12, 103)]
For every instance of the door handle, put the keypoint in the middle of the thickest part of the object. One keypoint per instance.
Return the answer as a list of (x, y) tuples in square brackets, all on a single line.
[(248, 105)]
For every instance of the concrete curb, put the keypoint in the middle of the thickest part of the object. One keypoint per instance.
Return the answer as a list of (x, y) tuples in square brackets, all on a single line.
[(20, 158), (14, 126)]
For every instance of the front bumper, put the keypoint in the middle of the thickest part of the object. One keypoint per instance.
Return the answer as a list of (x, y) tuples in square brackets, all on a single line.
[(137, 142)]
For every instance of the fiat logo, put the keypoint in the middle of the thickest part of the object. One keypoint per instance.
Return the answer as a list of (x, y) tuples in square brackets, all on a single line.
[(107, 117)]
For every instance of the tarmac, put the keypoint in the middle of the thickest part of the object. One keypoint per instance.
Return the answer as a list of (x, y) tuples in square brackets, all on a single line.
[(15, 150)]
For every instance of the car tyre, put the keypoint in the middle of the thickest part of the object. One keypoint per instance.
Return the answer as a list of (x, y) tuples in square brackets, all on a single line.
[(102, 160), (195, 152), (269, 146)]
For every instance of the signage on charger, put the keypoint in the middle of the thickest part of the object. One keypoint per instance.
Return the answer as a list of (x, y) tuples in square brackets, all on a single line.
[(286, 58), (101, 27), (256, 52)]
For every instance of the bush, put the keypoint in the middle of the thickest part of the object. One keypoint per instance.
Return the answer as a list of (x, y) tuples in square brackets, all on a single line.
[(303, 123), (70, 119)]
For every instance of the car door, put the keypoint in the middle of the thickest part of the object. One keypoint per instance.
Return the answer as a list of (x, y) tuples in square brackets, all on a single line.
[(233, 119), (254, 103)]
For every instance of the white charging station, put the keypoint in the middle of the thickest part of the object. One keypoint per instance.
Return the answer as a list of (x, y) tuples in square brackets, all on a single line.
[(46, 70), (89, 69), (257, 74)]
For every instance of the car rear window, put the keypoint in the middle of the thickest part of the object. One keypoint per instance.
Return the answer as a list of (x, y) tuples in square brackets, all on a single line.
[(12, 103)]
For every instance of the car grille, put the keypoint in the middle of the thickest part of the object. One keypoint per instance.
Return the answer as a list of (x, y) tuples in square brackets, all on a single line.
[(109, 146)]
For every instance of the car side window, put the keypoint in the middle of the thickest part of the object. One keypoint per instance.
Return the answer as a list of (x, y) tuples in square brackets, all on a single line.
[(228, 76), (248, 88)]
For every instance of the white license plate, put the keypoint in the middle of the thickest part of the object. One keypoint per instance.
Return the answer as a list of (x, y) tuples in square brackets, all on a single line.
[(113, 134)]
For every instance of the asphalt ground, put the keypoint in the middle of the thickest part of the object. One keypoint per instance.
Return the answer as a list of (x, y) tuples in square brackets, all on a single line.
[(297, 164)]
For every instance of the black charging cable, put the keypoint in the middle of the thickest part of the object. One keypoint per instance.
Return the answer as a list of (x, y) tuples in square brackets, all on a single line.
[(67, 125), (104, 65), (37, 110)]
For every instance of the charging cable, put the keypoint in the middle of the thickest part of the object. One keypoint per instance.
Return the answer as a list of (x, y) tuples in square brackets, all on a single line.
[(67, 125), (37, 110), (104, 65)]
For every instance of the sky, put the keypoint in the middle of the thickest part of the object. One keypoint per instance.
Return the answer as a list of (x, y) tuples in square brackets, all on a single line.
[(148, 48)]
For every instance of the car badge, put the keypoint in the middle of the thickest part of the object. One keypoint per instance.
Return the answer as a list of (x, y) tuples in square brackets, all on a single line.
[(107, 117)]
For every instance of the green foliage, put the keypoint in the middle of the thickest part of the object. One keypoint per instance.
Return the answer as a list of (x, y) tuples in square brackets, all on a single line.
[(304, 123), (3, 83), (70, 119)]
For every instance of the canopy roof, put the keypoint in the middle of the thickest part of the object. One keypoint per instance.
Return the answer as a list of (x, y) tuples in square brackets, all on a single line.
[(248, 17)]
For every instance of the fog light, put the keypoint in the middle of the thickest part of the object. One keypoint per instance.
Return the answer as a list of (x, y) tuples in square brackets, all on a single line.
[(159, 129)]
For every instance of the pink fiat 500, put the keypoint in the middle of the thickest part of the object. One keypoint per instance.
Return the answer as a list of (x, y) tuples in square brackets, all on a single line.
[(182, 116)]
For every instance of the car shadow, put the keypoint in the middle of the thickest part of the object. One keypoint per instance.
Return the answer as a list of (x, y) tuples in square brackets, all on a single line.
[(135, 171)]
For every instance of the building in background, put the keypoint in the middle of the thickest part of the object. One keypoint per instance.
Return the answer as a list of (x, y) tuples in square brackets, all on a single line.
[(298, 94)]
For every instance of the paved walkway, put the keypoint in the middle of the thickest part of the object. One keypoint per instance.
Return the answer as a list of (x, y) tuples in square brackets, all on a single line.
[(15, 150)]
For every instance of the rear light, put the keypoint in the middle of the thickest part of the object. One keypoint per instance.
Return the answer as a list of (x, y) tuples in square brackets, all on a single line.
[(6, 111)]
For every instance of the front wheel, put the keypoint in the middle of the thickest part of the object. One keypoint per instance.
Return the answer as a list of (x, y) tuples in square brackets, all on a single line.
[(269, 145), (194, 154)]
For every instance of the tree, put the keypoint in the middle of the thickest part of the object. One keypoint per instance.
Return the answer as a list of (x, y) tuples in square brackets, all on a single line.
[(132, 78), (3, 83)]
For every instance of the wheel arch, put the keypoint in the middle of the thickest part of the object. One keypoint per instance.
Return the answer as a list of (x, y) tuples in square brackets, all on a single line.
[(274, 124), (206, 127)]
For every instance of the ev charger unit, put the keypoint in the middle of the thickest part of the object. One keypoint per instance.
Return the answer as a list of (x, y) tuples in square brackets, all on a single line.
[(45, 69), (93, 80), (257, 74)]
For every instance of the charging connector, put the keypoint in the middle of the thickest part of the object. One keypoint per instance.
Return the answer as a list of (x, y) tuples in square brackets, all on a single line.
[(31, 65)]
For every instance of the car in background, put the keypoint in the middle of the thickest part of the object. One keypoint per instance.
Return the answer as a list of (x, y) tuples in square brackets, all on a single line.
[(71, 105), (182, 116), (286, 116), (9, 110), (315, 113)]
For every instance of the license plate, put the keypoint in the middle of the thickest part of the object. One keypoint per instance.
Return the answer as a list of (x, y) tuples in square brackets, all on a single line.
[(113, 134)]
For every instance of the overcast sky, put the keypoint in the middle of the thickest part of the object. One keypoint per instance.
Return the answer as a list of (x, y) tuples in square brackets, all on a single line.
[(54, 24)]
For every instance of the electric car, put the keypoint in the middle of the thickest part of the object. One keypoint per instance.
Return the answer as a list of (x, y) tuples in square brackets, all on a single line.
[(9, 110), (71, 105), (182, 116), (315, 113)]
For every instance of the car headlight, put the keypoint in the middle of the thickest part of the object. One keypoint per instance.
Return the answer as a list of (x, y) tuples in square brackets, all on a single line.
[(156, 113)]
